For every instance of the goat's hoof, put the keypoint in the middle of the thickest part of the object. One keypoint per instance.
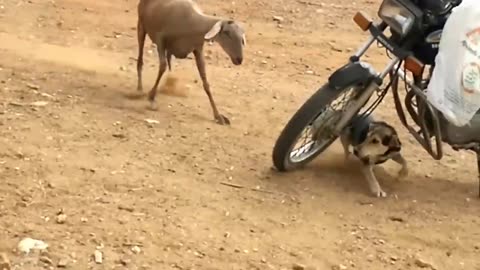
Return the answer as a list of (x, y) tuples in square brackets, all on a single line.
[(222, 120), (153, 105)]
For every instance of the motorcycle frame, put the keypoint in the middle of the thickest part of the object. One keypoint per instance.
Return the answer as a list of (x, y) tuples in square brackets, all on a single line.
[(374, 80), (395, 72)]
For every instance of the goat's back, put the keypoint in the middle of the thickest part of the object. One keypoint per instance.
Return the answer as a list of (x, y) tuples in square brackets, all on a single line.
[(165, 15)]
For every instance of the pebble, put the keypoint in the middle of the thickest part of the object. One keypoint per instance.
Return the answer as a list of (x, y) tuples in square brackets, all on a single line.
[(33, 86), (339, 267), (136, 249), (39, 103), (62, 263), (46, 260), (424, 264), (152, 121), (61, 218), (27, 244), (98, 257), (278, 18), (298, 266)]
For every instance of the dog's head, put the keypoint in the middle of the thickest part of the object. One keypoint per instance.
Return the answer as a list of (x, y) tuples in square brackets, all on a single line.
[(381, 139)]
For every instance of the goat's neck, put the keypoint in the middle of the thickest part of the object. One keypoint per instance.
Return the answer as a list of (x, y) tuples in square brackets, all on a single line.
[(207, 22)]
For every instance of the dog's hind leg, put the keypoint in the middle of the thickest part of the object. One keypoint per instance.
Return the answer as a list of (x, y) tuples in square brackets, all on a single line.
[(400, 160)]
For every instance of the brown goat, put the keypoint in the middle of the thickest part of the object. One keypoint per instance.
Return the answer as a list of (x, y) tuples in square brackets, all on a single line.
[(178, 28)]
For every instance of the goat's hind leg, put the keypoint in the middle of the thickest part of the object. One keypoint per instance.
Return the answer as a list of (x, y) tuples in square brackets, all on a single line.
[(141, 34), (161, 70)]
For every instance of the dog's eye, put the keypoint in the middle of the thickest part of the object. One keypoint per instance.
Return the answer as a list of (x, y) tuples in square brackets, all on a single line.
[(386, 140), (375, 141)]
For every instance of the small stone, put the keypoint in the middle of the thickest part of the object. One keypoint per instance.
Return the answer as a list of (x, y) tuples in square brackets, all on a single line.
[(33, 86), (61, 218), (339, 267), (46, 260), (62, 263), (124, 262), (152, 121), (309, 72), (126, 208), (39, 103), (278, 18), (118, 135), (27, 244), (424, 264), (98, 257), (136, 249), (297, 266), (396, 219)]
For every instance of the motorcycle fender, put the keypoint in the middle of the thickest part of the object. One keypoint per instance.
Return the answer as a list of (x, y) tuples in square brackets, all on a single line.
[(356, 73)]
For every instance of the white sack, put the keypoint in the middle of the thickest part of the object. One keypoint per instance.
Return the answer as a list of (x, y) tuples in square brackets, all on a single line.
[(454, 88)]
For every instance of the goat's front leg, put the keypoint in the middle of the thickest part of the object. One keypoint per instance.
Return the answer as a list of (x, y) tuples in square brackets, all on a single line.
[(199, 59), (161, 69)]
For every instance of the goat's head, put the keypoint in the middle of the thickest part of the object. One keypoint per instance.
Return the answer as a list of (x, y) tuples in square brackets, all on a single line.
[(231, 38)]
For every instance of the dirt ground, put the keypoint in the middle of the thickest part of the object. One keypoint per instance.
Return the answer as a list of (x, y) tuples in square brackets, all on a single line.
[(149, 194)]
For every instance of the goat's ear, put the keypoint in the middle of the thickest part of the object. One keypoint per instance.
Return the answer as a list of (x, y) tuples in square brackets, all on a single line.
[(244, 40), (214, 31)]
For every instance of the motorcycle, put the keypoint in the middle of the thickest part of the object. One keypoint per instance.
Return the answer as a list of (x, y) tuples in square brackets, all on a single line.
[(415, 31)]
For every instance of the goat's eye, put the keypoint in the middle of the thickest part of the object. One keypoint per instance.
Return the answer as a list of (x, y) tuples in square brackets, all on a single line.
[(227, 33), (375, 141)]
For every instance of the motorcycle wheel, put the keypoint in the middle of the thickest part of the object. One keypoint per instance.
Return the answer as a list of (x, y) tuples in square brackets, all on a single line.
[(311, 115)]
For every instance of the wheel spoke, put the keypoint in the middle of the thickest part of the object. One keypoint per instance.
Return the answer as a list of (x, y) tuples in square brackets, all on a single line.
[(308, 144)]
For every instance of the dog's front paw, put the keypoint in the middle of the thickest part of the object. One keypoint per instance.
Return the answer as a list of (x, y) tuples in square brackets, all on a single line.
[(379, 193), (349, 156)]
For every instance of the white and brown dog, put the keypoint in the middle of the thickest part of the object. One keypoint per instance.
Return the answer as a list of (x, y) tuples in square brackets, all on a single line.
[(373, 142)]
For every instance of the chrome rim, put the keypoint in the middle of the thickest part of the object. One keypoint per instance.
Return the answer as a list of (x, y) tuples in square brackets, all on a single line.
[(318, 134)]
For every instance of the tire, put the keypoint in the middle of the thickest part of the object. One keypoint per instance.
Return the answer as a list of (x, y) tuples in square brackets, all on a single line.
[(304, 116)]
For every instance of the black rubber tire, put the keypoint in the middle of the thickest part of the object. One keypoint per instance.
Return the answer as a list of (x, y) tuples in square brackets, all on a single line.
[(301, 119)]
